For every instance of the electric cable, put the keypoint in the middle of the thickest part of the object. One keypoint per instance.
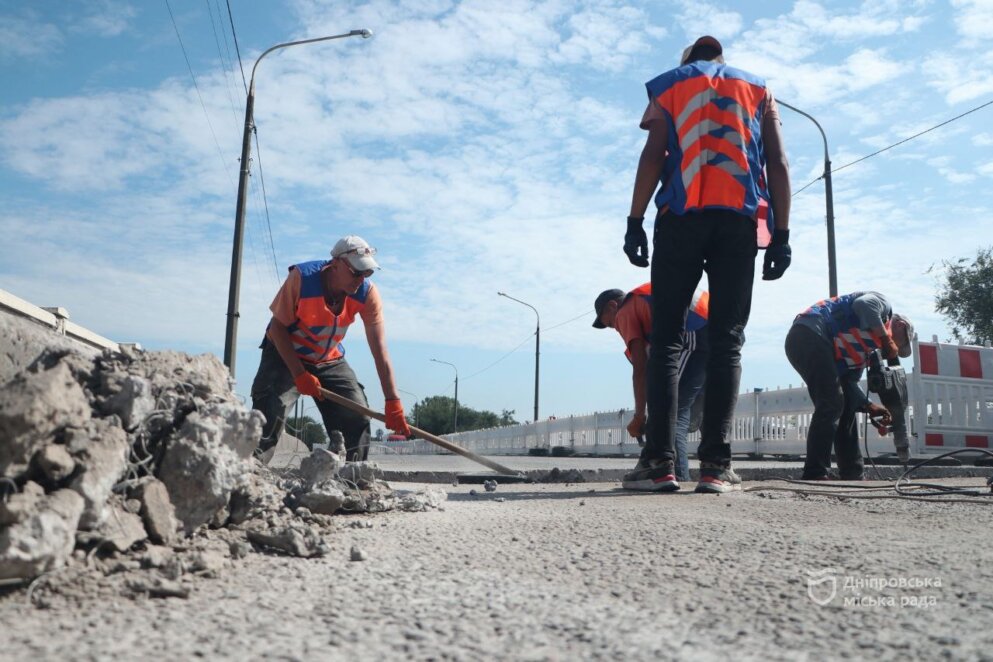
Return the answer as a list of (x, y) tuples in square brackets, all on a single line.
[(265, 202), (902, 487), (236, 48), (897, 144), (220, 152), (225, 64)]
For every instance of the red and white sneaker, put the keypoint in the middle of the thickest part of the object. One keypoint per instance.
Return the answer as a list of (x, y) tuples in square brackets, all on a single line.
[(651, 476), (717, 482)]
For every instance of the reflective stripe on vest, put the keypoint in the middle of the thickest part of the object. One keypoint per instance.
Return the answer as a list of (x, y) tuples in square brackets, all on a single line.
[(852, 344), (696, 316), (317, 332), (715, 155)]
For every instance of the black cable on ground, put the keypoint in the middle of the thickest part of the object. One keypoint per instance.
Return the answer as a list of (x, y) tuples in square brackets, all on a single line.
[(902, 487)]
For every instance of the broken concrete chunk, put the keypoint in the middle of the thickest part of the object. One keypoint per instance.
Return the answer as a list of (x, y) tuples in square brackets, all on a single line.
[(323, 499), (320, 466), (44, 539), (20, 505), (357, 554), (101, 450), (55, 462), (421, 500), (127, 396), (206, 459), (34, 408), (253, 497), (157, 511), (297, 540), (490, 485), (360, 473), (119, 531)]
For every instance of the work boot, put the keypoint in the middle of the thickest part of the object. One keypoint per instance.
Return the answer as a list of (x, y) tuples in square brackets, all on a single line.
[(651, 476)]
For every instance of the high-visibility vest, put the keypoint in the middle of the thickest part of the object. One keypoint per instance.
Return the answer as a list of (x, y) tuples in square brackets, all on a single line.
[(852, 344), (716, 158), (696, 315), (317, 332)]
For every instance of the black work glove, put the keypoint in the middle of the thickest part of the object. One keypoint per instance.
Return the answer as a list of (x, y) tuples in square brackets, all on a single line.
[(777, 256), (636, 242)]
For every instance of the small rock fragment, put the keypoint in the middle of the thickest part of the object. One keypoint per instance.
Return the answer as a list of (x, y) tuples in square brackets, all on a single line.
[(358, 554), (490, 485), (55, 462)]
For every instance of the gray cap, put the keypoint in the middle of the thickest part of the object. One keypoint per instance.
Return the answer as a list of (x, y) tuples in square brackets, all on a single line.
[(906, 348)]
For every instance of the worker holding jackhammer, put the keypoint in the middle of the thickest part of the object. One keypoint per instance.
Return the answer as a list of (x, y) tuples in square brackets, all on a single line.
[(830, 344), (714, 143), (302, 350), (631, 316)]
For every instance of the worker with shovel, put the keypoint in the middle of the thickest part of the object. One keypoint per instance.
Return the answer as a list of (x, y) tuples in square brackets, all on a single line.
[(631, 316), (829, 345), (302, 351)]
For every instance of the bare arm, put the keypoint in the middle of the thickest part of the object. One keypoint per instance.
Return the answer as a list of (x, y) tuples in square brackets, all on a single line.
[(639, 375), (649, 167), (777, 170), (280, 337)]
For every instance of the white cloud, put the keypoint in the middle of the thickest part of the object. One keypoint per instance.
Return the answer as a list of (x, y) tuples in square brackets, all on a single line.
[(700, 18), (974, 19), (27, 37), (106, 18), (959, 80)]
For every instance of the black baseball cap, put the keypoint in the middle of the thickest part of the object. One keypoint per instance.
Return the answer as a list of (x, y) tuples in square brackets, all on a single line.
[(601, 302)]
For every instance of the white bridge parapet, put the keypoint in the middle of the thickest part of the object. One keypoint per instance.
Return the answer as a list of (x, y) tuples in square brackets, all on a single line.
[(951, 406)]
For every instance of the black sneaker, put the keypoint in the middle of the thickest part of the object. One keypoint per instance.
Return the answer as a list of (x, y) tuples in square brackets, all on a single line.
[(651, 476), (718, 480)]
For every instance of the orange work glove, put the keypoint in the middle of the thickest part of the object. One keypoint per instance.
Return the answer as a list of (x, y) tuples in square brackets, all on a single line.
[(394, 418), (308, 384), (636, 427)]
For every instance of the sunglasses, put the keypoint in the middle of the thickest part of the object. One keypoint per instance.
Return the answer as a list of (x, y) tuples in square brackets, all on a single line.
[(361, 250), (357, 274)]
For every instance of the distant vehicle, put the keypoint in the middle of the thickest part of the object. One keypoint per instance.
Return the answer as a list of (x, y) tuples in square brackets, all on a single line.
[(396, 438)]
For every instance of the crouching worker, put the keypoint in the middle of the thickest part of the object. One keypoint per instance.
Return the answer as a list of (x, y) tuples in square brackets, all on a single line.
[(302, 350), (829, 345), (631, 316)]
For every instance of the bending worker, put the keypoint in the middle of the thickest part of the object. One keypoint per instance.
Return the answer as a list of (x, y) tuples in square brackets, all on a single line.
[(302, 350), (829, 344), (631, 316), (714, 143)]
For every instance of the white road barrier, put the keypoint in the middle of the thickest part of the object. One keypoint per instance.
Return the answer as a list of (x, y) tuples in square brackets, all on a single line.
[(951, 406)]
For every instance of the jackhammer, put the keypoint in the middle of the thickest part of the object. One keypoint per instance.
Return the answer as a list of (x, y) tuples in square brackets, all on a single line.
[(889, 381)]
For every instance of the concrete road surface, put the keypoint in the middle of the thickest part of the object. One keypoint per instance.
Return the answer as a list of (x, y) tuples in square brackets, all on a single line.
[(586, 571)]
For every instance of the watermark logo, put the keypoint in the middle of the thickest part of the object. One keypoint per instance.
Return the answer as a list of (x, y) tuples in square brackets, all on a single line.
[(822, 585), (872, 591)]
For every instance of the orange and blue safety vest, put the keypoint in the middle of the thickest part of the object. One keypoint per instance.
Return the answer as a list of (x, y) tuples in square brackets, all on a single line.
[(852, 344), (317, 332), (716, 158)]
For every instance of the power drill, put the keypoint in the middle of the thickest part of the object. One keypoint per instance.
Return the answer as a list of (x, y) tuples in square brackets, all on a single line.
[(889, 381)]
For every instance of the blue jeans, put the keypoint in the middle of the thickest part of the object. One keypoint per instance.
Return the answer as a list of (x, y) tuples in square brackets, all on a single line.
[(692, 375)]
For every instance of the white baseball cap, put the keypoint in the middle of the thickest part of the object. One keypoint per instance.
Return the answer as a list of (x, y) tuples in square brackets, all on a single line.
[(356, 251)]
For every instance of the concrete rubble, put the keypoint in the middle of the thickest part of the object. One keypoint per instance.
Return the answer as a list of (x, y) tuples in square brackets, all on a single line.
[(142, 465)]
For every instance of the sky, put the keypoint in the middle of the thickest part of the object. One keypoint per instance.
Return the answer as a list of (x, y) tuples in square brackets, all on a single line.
[(480, 147)]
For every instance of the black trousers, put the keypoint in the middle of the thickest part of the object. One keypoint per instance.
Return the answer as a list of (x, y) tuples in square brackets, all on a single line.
[(273, 393), (834, 422), (723, 244)]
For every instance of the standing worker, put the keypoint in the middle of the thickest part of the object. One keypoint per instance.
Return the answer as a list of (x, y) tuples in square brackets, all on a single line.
[(714, 143), (302, 350), (829, 344), (631, 316)]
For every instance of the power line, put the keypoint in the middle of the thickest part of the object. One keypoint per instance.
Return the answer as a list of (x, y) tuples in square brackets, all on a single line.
[(197, 88), (897, 144), (526, 341), (225, 64), (237, 50), (569, 321), (265, 202)]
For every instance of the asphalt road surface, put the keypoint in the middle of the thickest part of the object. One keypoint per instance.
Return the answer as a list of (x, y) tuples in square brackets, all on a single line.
[(583, 571)]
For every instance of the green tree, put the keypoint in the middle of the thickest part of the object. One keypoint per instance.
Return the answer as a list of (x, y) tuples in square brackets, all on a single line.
[(965, 297), (436, 415), (307, 430)]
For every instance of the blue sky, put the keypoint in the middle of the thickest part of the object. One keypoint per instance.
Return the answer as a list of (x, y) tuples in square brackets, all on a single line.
[(480, 146)]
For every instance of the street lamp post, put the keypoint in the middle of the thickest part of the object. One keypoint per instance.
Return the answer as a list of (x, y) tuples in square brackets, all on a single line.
[(537, 346), (231, 333), (455, 418), (829, 201)]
